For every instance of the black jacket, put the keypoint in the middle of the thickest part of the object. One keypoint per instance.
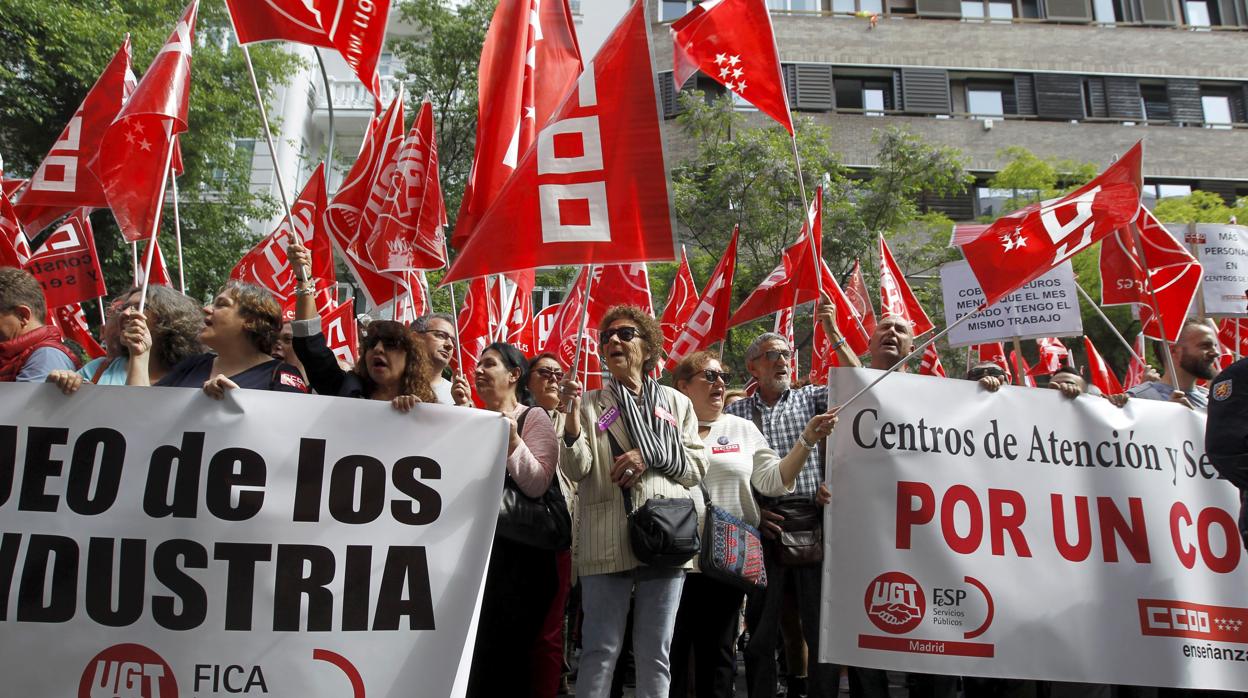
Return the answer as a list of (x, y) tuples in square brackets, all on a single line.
[(1226, 433)]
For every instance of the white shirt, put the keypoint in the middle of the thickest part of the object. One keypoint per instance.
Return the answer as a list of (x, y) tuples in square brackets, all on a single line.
[(739, 457), (442, 388)]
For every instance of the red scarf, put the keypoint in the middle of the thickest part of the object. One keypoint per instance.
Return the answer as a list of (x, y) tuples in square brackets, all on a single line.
[(15, 352)]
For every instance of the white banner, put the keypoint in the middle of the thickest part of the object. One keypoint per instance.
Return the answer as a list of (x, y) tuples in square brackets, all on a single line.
[(156, 543), (1046, 307), (1023, 534), (1223, 253)]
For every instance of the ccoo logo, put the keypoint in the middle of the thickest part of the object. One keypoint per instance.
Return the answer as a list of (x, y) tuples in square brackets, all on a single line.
[(895, 603), (127, 671)]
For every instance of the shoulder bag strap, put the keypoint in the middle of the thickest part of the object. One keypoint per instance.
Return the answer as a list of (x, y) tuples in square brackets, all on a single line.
[(616, 452)]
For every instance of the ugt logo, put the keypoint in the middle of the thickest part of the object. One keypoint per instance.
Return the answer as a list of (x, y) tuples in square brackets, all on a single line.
[(895, 603), (127, 671)]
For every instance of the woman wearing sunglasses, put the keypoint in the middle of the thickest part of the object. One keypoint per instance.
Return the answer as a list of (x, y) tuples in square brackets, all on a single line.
[(392, 366), (641, 437), (739, 459)]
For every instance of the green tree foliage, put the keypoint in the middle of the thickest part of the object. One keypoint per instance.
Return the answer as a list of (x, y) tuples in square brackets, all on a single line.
[(1032, 178), (1200, 207), (52, 51)]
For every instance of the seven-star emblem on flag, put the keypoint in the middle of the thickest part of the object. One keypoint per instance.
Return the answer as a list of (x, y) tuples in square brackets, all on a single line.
[(1014, 240)]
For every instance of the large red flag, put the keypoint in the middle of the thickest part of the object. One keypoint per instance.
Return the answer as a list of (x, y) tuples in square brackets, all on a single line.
[(14, 246), (995, 352), (896, 298), (930, 365), (529, 61), (856, 292), (709, 321), (135, 152), (340, 332), (1026, 244), (66, 264), (67, 179), (356, 28), (355, 207), (593, 188), (733, 42), (73, 324), (793, 281), (681, 300), (848, 322), (1172, 274), (409, 232), (1052, 355), (1102, 377), (266, 265)]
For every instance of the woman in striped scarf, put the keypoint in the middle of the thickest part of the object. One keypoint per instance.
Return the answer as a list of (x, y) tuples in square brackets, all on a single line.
[(633, 438)]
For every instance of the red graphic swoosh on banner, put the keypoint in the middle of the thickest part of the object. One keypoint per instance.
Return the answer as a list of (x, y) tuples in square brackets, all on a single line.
[(991, 609), (353, 674)]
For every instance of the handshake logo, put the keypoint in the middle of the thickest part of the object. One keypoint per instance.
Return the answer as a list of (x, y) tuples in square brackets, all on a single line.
[(895, 603)]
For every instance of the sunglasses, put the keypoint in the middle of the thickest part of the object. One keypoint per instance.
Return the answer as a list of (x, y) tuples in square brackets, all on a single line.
[(977, 373), (777, 354), (550, 374), (626, 334), (712, 375), (444, 336)]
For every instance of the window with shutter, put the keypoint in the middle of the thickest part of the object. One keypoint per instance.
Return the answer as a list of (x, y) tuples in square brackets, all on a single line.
[(938, 8), (1155, 101), (1122, 98), (1059, 97), (667, 94), (1232, 13), (925, 90), (1185, 104), (814, 87), (1025, 94), (1068, 10), (1156, 11), (1094, 98)]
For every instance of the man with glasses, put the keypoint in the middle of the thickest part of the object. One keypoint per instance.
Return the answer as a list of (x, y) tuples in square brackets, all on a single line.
[(437, 331)]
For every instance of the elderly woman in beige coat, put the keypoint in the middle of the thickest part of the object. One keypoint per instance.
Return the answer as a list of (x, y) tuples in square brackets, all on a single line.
[(633, 438)]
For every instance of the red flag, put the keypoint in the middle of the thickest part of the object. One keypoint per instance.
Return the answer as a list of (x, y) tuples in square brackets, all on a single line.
[(784, 328), (1136, 369), (409, 233), (847, 321), (1052, 355), (793, 281), (160, 271), (593, 188), (995, 352), (614, 284), (66, 264), (340, 332), (134, 155), (73, 324), (1021, 362), (1233, 332), (14, 247), (476, 322), (265, 265), (543, 325), (1173, 275), (8, 186), (354, 209), (930, 365), (356, 28), (709, 321), (528, 63), (519, 317), (896, 298), (856, 292), (733, 42), (565, 329), (67, 178), (1026, 244), (1102, 377), (681, 300)]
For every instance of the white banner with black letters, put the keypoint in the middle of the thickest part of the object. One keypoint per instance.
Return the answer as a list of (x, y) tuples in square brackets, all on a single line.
[(154, 542), (1024, 534)]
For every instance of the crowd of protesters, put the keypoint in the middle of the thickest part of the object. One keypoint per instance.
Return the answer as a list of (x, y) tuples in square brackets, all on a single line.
[(599, 454)]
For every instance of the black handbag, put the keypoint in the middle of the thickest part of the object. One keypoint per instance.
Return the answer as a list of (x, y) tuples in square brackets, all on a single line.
[(541, 522), (663, 532), (801, 531), (732, 551)]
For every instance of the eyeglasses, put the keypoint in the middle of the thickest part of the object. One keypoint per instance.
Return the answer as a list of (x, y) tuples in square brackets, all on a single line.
[(444, 336), (777, 354), (712, 375), (550, 374), (626, 334), (977, 373)]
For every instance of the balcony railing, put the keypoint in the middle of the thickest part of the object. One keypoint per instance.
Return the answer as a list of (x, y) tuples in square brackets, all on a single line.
[(351, 94)]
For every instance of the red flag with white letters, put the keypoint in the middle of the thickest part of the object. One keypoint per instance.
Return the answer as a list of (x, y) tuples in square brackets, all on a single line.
[(67, 178), (682, 298), (930, 365), (856, 292), (135, 152), (733, 42), (564, 329), (529, 61), (73, 324), (355, 28), (476, 322), (709, 321), (593, 189), (518, 319), (1233, 333), (848, 322), (1052, 355), (409, 232), (1172, 275), (1026, 244), (354, 209), (14, 246), (341, 336), (613, 284), (265, 265), (1102, 377), (793, 281), (896, 298), (66, 264)]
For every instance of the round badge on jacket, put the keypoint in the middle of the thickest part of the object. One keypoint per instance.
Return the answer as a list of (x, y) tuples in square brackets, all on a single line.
[(723, 441)]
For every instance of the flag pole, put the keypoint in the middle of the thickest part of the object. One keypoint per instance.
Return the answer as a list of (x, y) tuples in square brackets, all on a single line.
[(301, 273), (134, 261), (1018, 363), (576, 359), (151, 241), (329, 105), (915, 352), (1130, 349), (100, 305), (801, 187), (508, 297), (450, 286), (177, 229)]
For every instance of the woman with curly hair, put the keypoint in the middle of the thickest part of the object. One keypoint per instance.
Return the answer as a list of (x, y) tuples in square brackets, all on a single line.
[(638, 440), (240, 328), (393, 365), (176, 321)]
